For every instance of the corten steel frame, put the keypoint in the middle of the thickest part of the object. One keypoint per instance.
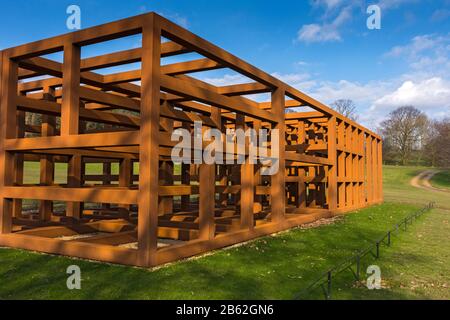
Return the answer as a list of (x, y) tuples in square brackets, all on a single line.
[(329, 164)]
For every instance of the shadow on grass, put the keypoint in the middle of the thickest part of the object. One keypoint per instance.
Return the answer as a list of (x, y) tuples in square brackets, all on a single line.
[(273, 267)]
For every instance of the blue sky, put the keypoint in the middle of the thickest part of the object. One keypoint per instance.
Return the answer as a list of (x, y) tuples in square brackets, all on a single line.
[(321, 47)]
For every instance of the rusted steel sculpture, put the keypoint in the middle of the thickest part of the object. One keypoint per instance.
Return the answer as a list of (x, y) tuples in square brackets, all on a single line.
[(161, 212)]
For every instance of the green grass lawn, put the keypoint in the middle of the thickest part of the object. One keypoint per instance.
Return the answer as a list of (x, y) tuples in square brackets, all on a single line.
[(273, 267), (31, 171), (441, 179)]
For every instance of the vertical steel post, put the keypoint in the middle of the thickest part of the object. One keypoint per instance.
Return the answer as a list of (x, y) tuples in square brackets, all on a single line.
[(329, 285)]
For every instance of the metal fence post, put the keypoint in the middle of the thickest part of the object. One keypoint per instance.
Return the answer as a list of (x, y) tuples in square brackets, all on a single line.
[(358, 266), (327, 289), (329, 286)]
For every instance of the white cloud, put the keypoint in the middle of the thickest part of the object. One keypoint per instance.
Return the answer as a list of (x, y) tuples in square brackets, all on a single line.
[(418, 45), (226, 80), (292, 78), (431, 95), (326, 31), (301, 63), (375, 99), (440, 15), (392, 4), (361, 94), (337, 13), (330, 4), (426, 85), (427, 56), (329, 91), (300, 81), (318, 33)]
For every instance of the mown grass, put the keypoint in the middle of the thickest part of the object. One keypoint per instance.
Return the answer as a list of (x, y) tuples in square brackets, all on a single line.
[(417, 265), (274, 267), (31, 171), (441, 179)]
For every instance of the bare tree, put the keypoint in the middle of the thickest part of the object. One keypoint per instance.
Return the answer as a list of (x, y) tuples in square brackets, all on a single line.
[(431, 147), (345, 107), (437, 147), (404, 131), (443, 158)]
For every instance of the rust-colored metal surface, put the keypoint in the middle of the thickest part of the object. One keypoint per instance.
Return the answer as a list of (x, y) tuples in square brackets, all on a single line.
[(117, 111)]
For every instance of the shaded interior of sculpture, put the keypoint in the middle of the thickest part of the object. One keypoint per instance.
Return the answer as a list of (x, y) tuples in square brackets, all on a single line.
[(65, 109)]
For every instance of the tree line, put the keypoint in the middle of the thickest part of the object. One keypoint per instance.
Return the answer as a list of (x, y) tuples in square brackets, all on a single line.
[(410, 137)]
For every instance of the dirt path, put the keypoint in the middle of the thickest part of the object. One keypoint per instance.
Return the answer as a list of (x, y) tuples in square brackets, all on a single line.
[(422, 181)]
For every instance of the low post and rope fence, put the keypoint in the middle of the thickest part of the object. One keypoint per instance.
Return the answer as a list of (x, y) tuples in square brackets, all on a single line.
[(325, 280)]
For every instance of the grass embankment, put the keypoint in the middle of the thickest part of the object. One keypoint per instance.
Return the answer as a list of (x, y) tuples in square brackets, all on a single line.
[(274, 267), (441, 180)]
